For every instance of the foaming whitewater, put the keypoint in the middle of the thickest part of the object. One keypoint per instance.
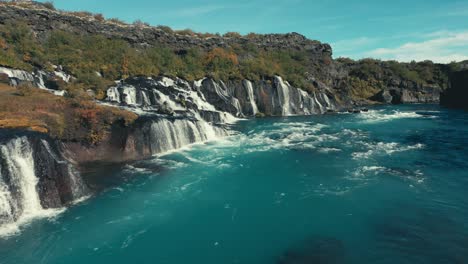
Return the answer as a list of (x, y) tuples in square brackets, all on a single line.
[(19, 199), (382, 148), (167, 135), (377, 116), (277, 191)]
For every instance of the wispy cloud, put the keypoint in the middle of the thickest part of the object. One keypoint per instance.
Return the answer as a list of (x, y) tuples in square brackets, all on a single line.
[(441, 46), (198, 11), (354, 44)]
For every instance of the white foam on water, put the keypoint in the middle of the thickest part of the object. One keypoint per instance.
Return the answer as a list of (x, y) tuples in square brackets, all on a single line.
[(376, 116), (329, 150), (382, 148)]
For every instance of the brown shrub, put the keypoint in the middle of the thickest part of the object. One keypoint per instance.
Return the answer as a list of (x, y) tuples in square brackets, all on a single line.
[(25, 89), (49, 5), (82, 14), (187, 32), (232, 35), (99, 17)]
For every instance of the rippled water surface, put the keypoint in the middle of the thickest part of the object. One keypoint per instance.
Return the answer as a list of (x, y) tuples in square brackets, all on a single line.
[(387, 186)]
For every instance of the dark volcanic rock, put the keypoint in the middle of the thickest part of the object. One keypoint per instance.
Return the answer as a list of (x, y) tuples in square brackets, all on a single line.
[(43, 21), (457, 95), (383, 96)]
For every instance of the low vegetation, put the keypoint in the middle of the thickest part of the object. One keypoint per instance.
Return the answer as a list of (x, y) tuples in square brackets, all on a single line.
[(96, 60), (69, 119)]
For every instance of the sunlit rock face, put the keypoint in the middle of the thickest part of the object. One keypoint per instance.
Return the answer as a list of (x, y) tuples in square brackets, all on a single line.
[(229, 99)]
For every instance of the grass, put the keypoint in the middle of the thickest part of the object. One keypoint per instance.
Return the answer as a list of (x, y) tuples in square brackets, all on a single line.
[(64, 118)]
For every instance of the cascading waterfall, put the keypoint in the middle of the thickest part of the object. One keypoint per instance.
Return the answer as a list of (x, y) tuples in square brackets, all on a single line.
[(19, 198), (22, 191), (113, 94), (321, 108), (283, 96), (129, 93), (250, 93), (167, 135)]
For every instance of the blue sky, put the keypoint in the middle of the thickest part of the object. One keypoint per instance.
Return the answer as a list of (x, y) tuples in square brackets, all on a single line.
[(404, 30)]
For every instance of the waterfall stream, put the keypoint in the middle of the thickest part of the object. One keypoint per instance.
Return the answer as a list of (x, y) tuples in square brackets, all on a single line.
[(179, 133), (20, 198)]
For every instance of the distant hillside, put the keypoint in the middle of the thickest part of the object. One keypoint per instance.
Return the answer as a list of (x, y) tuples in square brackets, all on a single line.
[(98, 51)]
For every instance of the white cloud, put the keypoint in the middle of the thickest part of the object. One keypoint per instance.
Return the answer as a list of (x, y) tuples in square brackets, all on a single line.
[(352, 45), (197, 11), (441, 46)]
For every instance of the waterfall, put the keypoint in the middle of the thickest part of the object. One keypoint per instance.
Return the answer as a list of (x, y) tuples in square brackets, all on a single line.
[(19, 199), (21, 188), (146, 100), (164, 99), (321, 108), (22, 199), (167, 135), (129, 93), (250, 93), (283, 96), (113, 94)]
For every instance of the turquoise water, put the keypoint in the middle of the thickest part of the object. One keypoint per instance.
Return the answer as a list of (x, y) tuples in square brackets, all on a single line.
[(388, 186)]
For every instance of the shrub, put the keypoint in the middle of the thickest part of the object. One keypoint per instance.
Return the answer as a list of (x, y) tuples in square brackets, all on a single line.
[(187, 32), (232, 35), (83, 14), (49, 5), (166, 29), (99, 17), (25, 89), (140, 24), (116, 21), (252, 35)]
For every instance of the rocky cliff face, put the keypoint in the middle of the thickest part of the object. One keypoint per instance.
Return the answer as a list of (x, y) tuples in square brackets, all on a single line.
[(456, 96), (34, 177), (389, 82), (274, 97)]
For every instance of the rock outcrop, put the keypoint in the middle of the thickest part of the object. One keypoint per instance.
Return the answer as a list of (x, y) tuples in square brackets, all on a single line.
[(457, 95), (44, 20)]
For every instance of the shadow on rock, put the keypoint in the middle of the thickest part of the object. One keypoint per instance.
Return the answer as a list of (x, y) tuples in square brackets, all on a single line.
[(315, 250)]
